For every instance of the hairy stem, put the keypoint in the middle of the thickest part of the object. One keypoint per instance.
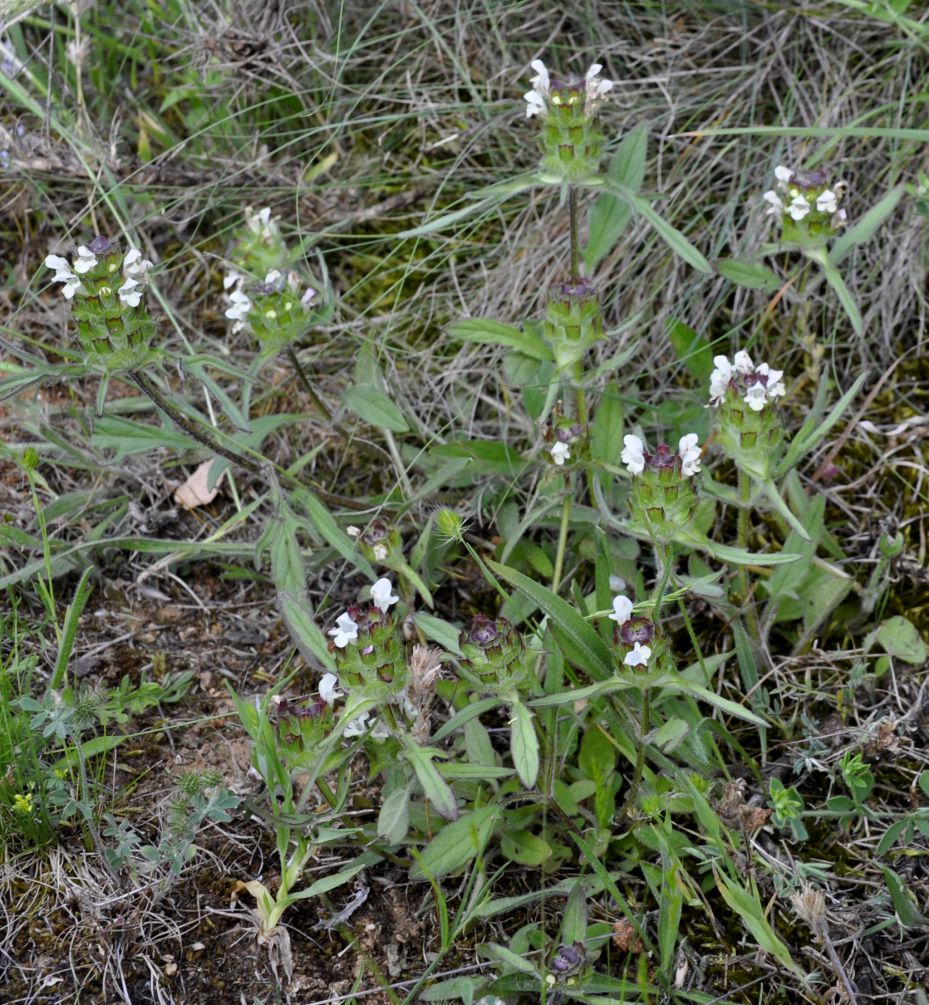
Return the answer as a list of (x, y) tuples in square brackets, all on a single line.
[(563, 532), (575, 242), (308, 387)]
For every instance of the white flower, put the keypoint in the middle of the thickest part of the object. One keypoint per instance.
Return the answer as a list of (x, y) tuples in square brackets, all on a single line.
[(638, 657), (231, 279), (777, 206), (358, 726), (260, 223), (622, 610), (783, 174), (241, 305), (633, 455), (742, 362), (86, 260), (380, 730), (345, 631), (799, 208), (720, 378), (380, 552), (381, 595), (689, 453), (272, 277), (827, 202), (328, 689), (774, 388), (535, 99), (755, 397), (307, 297), (130, 293), (63, 274), (134, 264), (560, 453), (596, 88)]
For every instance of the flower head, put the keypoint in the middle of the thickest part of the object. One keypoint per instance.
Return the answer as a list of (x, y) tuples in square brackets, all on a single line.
[(638, 656), (597, 88), (757, 385), (381, 595), (806, 198), (594, 88), (346, 631), (637, 457)]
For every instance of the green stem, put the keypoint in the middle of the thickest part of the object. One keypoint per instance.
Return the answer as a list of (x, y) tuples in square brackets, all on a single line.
[(743, 525), (575, 241), (633, 791), (563, 533), (307, 386)]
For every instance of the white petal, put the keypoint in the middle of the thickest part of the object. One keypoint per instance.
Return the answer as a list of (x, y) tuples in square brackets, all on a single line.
[(776, 205), (381, 595), (71, 287), (346, 631), (358, 726), (328, 689), (541, 82), (783, 174), (535, 104), (86, 260), (639, 656), (799, 208), (633, 455), (689, 453), (57, 263), (231, 279), (560, 453), (743, 362), (307, 297), (130, 293), (826, 202), (272, 277), (755, 398), (622, 610)]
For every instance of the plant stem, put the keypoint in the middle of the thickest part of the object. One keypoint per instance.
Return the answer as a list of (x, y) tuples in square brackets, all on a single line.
[(308, 387), (633, 790), (575, 242), (149, 388), (563, 532), (742, 527)]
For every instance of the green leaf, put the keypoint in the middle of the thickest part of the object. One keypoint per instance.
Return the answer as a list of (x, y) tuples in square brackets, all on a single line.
[(610, 215), (437, 630), (456, 844), (864, 228), (581, 644), (325, 525), (375, 407), (127, 437), (669, 914), (72, 617), (434, 785), (835, 280), (486, 198), (89, 748), (486, 331), (907, 912), (669, 234), (525, 848), (574, 916), (524, 744), (816, 428), (739, 556), (748, 907), (461, 718), (774, 496), (393, 821), (339, 878), (752, 275), (691, 349), (899, 637)]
